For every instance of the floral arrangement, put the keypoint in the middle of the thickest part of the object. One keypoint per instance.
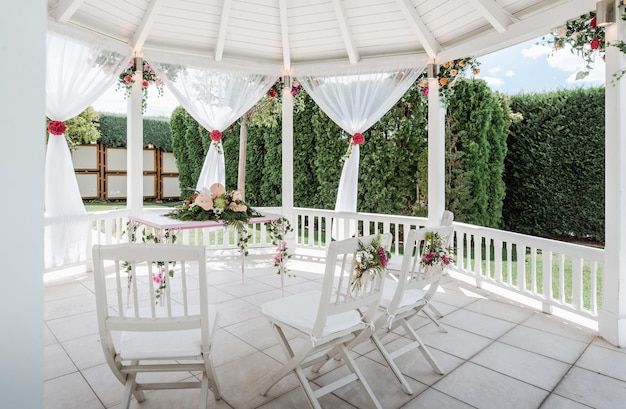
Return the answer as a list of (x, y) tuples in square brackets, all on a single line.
[(356, 139), (126, 80), (449, 74), (56, 128), (277, 230), (277, 88), (586, 39), (216, 137), (434, 251), (219, 205), (369, 259)]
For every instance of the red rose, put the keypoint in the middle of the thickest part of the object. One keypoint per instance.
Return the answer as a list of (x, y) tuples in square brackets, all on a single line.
[(595, 43), (128, 79), (145, 83), (593, 23), (216, 135), (357, 139), (56, 127), (272, 93)]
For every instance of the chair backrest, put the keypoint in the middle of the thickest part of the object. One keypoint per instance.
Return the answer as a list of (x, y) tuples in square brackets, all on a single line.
[(340, 292), (413, 275), (151, 287)]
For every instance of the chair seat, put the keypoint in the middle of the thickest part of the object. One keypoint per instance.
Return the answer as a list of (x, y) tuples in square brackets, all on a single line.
[(410, 297), (300, 311), (173, 344)]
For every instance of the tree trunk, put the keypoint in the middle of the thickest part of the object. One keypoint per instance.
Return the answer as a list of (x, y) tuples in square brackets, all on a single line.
[(243, 140)]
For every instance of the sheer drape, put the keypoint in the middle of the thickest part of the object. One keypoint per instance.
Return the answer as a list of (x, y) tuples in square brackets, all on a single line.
[(79, 68), (355, 101), (215, 95)]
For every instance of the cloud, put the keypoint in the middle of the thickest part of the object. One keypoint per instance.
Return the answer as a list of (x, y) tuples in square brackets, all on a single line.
[(535, 51), (565, 60), (494, 70), (493, 81), (509, 73)]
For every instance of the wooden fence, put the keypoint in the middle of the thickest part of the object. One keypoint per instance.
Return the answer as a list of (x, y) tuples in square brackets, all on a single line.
[(101, 173)]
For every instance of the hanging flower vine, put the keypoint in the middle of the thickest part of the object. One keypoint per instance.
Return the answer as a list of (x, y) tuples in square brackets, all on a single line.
[(586, 40), (127, 78), (449, 74), (356, 139)]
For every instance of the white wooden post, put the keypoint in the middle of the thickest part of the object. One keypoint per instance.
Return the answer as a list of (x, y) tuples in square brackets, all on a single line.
[(612, 316), (134, 144), (436, 154), (22, 157), (287, 150)]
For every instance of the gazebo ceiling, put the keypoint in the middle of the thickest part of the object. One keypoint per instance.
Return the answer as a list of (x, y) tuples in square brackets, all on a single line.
[(293, 32)]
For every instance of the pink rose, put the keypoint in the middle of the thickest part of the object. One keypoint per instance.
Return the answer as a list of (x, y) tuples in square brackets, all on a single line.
[(204, 202), (241, 208), (216, 135), (128, 79), (237, 195), (357, 138), (425, 92), (217, 189)]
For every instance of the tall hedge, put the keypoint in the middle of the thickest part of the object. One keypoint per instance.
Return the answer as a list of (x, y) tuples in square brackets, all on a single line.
[(156, 131), (554, 169)]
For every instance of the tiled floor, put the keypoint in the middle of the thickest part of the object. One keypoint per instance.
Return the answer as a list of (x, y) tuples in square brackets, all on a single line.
[(497, 353)]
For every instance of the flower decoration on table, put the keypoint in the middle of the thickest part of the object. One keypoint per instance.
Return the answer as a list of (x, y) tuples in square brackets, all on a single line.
[(356, 139), (57, 128), (216, 137), (277, 230), (449, 73), (585, 39), (218, 205), (434, 251), (127, 79), (370, 260)]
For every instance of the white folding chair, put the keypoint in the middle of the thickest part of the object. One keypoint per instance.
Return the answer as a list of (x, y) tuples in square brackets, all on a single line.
[(154, 315), (327, 320), (405, 297)]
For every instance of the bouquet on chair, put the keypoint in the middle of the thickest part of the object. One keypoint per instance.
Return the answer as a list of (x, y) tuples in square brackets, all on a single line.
[(434, 252), (369, 260)]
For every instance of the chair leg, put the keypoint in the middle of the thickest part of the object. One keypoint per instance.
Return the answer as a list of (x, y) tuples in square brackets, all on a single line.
[(404, 385), (308, 391), (204, 392), (293, 363), (435, 311), (360, 378), (422, 347), (130, 389), (434, 320)]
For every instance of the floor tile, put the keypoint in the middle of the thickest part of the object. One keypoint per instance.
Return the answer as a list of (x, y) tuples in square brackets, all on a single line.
[(455, 342), (74, 326), (605, 361), (592, 389), (559, 326), (544, 343), (85, 352), (432, 398), (503, 311), (487, 389), (56, 362), (559, 402), (69, 392), (477, 323)]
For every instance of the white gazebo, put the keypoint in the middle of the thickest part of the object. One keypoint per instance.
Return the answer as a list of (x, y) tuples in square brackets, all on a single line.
[(291, 38)]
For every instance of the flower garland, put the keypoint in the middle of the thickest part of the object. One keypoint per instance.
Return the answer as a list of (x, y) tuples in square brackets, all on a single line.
[(586, 40), (372, 258), (277, 230), (449, 74), (356, 139), (434, 251), (127, 79), (57, 128), (216, 137)]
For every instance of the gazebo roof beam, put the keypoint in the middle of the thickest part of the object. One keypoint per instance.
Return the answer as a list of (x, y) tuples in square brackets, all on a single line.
[(494, 13), (284, 33), (65, 9), (348, 39), (221, 33), (431, 46), (139, 38)]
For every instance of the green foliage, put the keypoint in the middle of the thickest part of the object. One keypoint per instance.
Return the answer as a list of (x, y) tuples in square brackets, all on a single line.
[(156, 131), (554, 169), (82, 129), (179, 148)]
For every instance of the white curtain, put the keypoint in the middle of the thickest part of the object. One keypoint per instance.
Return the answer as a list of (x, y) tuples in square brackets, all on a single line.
[(79, 68), (215, 95), (355, 101)]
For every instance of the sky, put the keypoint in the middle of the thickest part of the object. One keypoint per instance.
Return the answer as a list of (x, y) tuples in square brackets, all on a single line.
[(528, 67)]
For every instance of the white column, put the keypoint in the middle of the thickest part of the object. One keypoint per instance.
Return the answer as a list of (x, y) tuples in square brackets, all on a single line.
[(134, 144), (22, 157), (436, 154), (287, 151), (612, 316)]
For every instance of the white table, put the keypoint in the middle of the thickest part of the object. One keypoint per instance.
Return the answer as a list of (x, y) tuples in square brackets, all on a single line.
[(165, 226)]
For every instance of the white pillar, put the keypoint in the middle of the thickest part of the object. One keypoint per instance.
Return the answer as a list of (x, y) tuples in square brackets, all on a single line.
[(287, 150), (436, 154), (22, 157), (612, 316), (134, 144)]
